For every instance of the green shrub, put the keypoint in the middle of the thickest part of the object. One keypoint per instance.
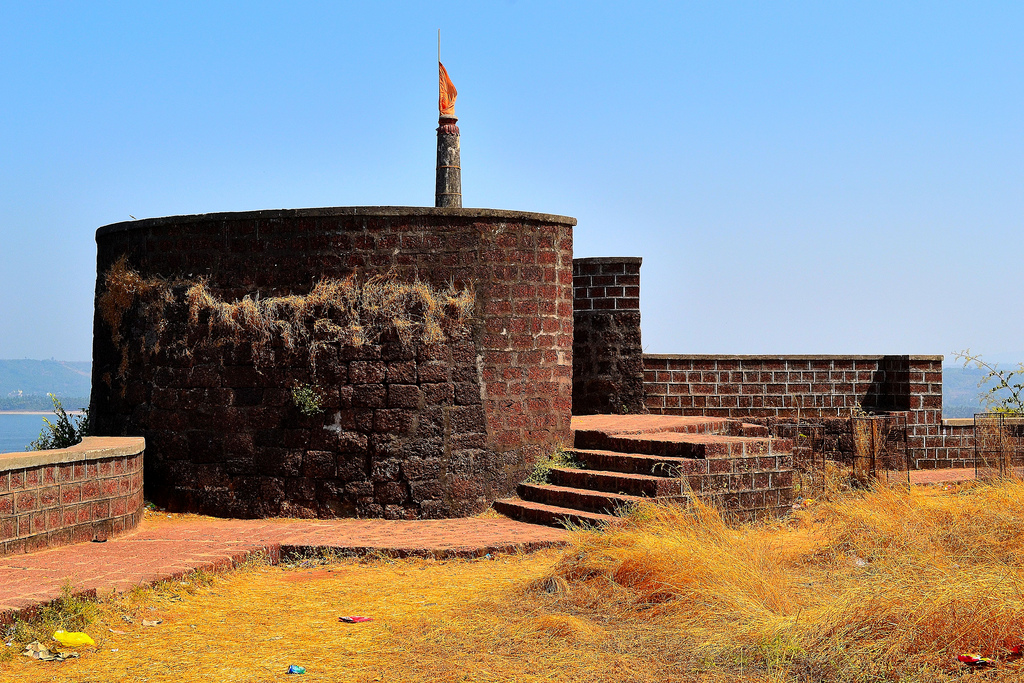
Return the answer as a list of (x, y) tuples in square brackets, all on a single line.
[(65, 432), (1003, 389), (307, 399), (542, 469)]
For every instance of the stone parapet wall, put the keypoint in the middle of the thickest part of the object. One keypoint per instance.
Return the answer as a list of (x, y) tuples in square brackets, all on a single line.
[(88, 492), (408, 429), (606, 284), (933, 444), (812, 388), (607, 349), (778, 386)]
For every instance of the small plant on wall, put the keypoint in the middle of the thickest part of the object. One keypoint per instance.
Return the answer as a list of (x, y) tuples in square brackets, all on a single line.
[(541, 473), (307, 399)]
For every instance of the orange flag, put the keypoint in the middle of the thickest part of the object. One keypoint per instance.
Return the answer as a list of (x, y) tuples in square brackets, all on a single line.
[(446, 101)]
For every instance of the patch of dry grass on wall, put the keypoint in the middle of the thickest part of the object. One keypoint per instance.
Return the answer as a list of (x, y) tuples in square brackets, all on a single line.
[(349, 311), (862, 586)]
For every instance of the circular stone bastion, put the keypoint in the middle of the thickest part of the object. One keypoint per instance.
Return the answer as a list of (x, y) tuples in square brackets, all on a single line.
[(390, 362)]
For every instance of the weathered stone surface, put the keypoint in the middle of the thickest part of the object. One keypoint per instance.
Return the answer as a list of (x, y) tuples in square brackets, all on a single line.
[(608, 371), (448, 191), (818, 389), (463, 420)]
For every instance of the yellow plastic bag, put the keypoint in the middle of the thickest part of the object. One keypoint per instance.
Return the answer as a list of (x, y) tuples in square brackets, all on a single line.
[(72, 639)]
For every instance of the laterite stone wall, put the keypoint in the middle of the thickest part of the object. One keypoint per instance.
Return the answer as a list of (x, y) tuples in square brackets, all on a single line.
[(88, 492), (409, 430), (811, 386), (608, 370), (814, 388)]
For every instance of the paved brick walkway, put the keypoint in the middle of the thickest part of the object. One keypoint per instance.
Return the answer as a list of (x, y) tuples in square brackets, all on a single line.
[(164, 548), (942, 476)]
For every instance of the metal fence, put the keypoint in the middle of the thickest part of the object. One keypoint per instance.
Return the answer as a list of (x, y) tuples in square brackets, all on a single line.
[(998, 445), (868, 447), (875, 447), (812, 450), (880, 448)]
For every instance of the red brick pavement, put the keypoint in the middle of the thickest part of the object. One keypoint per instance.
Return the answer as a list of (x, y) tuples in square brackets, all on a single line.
[(942, 476), (165, 548)]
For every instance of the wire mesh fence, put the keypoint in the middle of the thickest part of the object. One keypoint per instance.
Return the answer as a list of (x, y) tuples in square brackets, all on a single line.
[(998, 445), (880, 448), (868, 448), (812, 450)]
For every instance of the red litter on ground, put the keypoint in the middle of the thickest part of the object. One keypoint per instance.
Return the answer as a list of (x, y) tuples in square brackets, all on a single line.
[(354, 620), (975, 660)]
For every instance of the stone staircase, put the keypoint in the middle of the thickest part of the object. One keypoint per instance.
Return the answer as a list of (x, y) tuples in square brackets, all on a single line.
[(622, 459)]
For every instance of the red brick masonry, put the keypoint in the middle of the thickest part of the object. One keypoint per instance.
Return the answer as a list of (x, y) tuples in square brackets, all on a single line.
[(812, 388), (607, 353), (87, 492)]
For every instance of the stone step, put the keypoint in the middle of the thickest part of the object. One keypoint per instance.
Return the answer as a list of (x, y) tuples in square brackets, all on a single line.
[(601, 502), (650, 424), (682, 445), (624, 425), (549, 515), (642, 485), (746, 429), (635, 463), (577, 499), (622, 460)]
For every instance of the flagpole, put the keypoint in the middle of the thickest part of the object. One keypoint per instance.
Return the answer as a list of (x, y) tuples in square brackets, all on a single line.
[(448, 186)]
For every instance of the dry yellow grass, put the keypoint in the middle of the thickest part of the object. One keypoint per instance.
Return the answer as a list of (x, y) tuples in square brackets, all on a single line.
[(349, 311), (881, 585)]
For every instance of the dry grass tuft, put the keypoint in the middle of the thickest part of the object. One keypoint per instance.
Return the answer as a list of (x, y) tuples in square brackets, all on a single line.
[(887, 583), (123, 287), (70, 612), (349, 312), (877, 585)]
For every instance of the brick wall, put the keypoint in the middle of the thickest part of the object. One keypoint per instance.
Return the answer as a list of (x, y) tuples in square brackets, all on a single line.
[(409, 430), (934, 443), (812, 388), (776, 386), (91, 491), (607, 349)]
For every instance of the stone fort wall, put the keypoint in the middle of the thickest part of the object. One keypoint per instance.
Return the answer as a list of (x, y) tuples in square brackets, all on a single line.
[(408, 430), (607, 357)]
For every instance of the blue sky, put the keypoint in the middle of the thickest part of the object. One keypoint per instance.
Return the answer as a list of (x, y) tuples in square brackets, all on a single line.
[(798, 177)]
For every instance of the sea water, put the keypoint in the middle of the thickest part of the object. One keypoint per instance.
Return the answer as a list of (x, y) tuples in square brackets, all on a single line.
[(18, 430)]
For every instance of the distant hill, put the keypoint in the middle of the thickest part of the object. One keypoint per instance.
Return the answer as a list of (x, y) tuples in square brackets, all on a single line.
[(25, 383), (960, 391)]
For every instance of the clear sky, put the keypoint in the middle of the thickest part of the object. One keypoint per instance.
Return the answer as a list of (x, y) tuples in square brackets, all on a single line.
[(817, 177)]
